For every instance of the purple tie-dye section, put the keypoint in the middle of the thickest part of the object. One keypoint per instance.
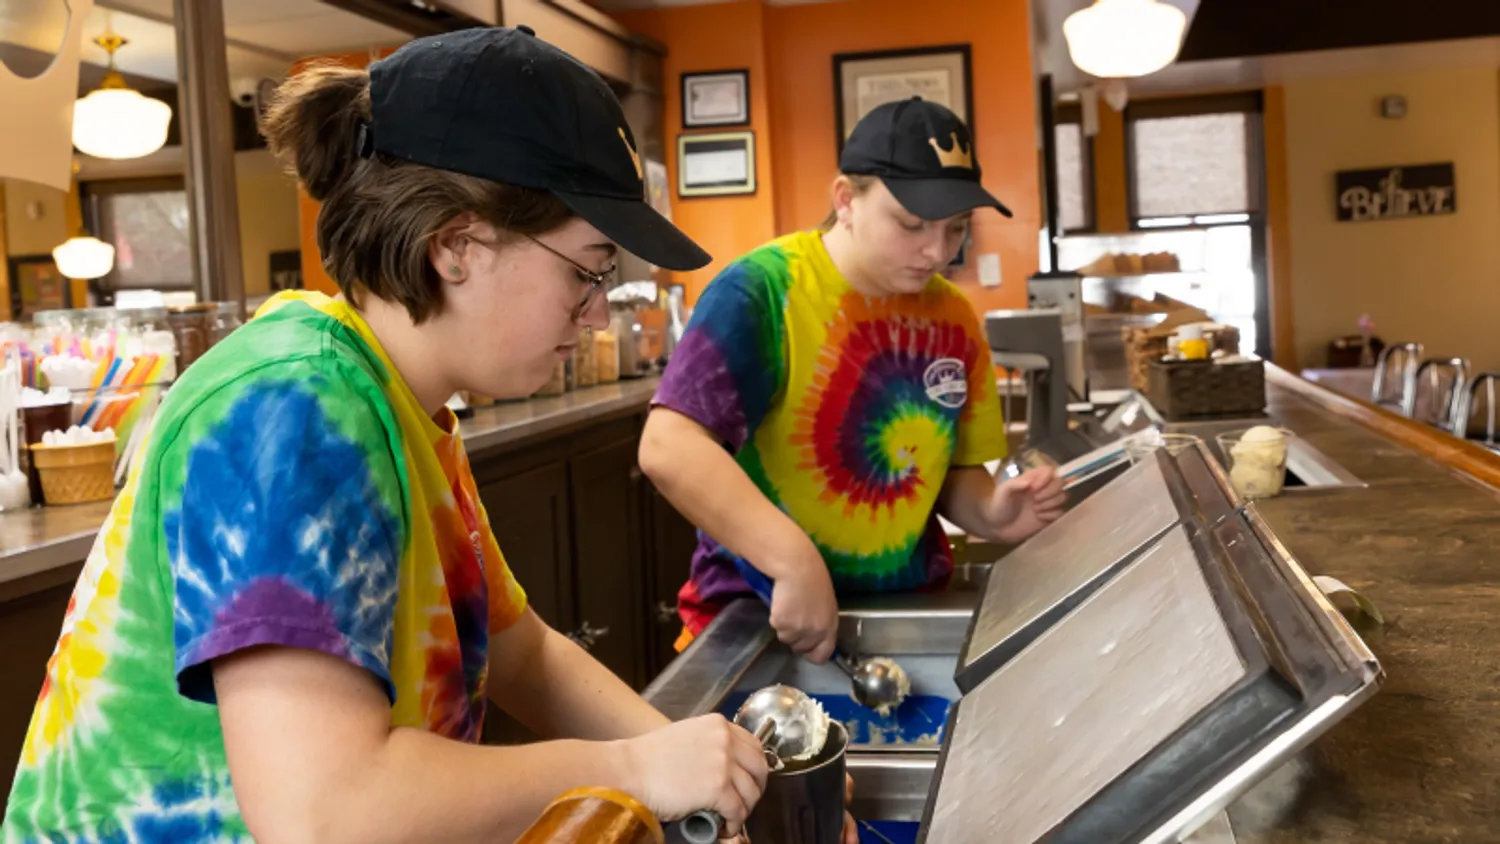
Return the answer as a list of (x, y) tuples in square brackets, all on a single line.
[(700, 386), (713, 575), (263, 611)]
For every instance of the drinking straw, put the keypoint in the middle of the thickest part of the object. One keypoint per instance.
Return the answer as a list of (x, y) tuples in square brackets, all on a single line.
[(94, 403)]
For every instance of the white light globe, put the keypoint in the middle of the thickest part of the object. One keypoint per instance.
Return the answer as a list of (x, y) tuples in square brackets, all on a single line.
[(84, 257), (119, 123), (1121, 38)]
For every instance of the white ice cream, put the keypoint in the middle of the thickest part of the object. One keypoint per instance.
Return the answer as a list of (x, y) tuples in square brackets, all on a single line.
[(1259, 462)]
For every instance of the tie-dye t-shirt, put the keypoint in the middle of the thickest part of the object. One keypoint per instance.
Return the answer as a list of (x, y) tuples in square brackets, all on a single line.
[(293, 493), (845, 410)]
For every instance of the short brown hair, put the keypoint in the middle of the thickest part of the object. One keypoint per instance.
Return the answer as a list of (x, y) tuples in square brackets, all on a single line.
[(861, 183), (378, 213)]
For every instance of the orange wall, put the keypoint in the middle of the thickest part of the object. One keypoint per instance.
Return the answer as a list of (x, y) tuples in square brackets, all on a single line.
[(728, 36), (313, 276), (789, 51)]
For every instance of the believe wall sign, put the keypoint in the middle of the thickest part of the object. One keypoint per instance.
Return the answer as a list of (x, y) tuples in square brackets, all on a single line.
[(1425, 190)]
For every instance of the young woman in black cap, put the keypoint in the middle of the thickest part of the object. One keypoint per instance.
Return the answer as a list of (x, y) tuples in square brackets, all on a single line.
[(296, 611), (833, 394)]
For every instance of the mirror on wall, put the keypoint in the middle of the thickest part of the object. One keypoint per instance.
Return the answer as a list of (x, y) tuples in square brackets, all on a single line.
[(31, 34)]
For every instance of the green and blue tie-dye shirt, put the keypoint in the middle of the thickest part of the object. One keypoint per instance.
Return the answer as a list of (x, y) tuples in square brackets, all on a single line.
[(292, 492)]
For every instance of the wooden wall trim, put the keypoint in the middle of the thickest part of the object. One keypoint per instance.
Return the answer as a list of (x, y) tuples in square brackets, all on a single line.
[(1473, 460), (1111, 191), (1278, 230), (4, 264)]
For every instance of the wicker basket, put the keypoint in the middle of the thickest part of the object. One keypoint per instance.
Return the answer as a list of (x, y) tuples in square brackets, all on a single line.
[(1144, 345), (1201, 390), (73, 474)]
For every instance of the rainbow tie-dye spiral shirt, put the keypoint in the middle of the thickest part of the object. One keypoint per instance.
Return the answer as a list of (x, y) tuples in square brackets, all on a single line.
[(293, 493), (845, 410)]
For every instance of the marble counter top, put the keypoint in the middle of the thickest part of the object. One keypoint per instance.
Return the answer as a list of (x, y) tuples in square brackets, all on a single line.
[(1421, 761)]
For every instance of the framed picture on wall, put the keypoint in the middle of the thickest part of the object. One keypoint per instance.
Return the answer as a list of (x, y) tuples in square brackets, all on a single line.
[(721, 164), (718, 98), (863, 81), (36, 284)]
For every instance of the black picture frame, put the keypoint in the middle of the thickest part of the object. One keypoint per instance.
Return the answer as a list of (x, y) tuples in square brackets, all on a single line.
[(739, 77), (943, 56)]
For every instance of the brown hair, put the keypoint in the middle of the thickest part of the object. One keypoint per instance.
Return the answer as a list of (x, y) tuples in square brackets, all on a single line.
[(378, 213), (861, 183)]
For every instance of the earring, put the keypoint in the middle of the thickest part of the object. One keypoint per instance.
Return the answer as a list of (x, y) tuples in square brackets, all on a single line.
[(456, 271)]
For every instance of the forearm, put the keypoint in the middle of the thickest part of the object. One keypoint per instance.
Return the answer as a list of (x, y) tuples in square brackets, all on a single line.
[(566, 692), (705, 484), (420, 787), (966, 491), (313, 757)]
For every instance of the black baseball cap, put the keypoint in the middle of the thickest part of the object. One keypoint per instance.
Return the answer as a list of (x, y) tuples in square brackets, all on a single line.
[(924, 155), (502, 104)]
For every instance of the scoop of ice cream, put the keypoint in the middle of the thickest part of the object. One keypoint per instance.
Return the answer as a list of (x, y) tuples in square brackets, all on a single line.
[(1259, 462), (1261, 445), (884, 665)]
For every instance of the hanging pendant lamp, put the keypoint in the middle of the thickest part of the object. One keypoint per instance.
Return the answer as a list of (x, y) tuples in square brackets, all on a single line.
[(1123, 38), (116, 121)]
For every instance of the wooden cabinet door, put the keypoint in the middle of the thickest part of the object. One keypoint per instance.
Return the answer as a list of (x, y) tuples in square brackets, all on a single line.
[(672, 541), (608, 548), (530, 518)]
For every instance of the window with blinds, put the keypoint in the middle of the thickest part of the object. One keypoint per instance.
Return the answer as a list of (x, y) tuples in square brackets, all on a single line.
[(147, 221), (1075, 172), (1194, 159)]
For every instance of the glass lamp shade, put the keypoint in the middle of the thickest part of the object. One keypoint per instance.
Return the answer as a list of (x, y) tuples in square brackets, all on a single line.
[(84, 257), (119, 123), (1122, 38)]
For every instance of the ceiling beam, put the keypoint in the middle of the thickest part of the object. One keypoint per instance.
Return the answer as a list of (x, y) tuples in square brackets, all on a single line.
[(418, 21), (129, 8)]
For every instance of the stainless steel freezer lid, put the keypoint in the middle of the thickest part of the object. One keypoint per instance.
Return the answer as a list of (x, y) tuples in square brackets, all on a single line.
[(1170, 690), (1036, 584)]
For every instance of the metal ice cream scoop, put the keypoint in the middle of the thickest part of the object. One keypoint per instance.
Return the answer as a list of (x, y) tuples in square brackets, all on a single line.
[(789, 725), (879, 682)]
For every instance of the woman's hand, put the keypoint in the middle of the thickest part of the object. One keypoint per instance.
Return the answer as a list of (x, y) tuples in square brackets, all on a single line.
[(1020, 507), (700, 763), (804, 610)]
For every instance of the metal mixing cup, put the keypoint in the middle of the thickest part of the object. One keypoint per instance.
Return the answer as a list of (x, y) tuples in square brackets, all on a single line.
[(804, 802)]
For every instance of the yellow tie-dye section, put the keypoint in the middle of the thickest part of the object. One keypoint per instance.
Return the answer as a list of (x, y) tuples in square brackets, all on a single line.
[(828, 324), (454, 564)]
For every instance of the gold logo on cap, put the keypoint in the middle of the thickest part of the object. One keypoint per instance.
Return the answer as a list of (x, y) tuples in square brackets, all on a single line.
[(956, 157), (634, 159)]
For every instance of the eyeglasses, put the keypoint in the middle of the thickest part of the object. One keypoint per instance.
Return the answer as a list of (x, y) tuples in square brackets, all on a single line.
[(596, 281)]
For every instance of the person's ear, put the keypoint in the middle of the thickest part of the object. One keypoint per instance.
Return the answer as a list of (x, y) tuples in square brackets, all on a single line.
[(448, 248), (843, 200)]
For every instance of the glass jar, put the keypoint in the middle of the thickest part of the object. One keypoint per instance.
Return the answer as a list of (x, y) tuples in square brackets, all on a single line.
[(149, 332), (192, 326), (226, 320)]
